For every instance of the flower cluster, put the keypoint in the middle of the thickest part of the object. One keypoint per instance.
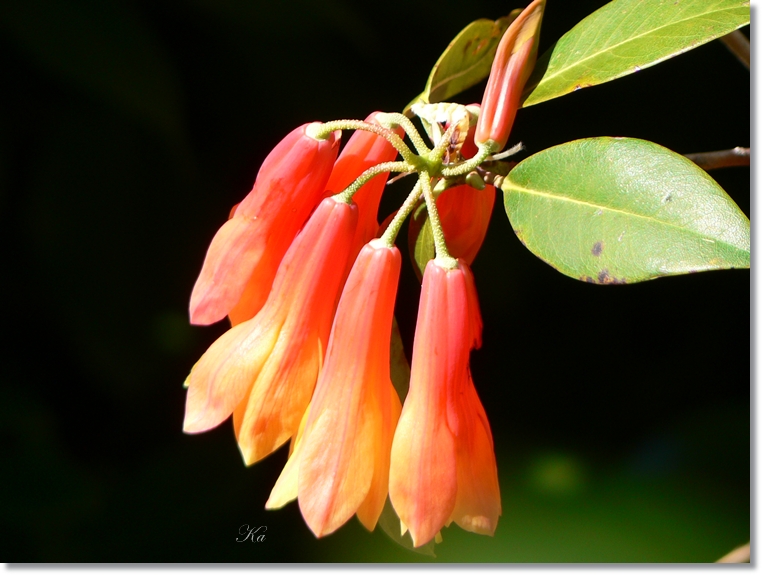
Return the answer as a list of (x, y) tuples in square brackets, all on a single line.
[(309, 280)]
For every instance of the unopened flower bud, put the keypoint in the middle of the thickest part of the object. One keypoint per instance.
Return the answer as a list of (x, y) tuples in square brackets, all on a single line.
[(513, 63), (474, 180)]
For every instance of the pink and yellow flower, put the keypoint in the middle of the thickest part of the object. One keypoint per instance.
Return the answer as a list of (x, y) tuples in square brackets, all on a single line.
[(340, 463), (244, 255), (442, 461), (264, 369)]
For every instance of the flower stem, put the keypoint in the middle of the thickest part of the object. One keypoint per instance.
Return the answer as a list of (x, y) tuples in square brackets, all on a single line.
[(390, 234), (444, 142), (721, 159), (436, 226), (737, 43), (322, 130), (405, 123), (462, 168), (367, 175)]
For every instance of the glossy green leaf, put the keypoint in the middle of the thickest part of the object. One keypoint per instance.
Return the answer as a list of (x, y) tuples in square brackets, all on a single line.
[(466, 61), (621, 210), (420, 240), (626, 36)]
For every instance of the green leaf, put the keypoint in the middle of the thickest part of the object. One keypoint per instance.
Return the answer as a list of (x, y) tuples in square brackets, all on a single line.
[(466, 61), (420, 240), (621, 210), (626, 36)]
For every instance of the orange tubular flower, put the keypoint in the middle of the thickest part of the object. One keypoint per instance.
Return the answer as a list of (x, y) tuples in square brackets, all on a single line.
[(265, 368), (442, 462), (340, 465), (243, 257), (464, 213), (364, 150), (511, 68)]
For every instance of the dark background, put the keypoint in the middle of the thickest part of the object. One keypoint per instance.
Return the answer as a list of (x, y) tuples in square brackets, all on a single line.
[(621, 414)]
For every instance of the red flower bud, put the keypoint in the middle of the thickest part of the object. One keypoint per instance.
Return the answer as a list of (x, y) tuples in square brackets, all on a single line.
[(443, 461), (289, 185), (340, 462), (363, 150), (264, 370), (464, 213), (513, 63)]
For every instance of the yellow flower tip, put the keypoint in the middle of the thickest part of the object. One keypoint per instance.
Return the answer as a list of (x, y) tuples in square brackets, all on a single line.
[(479, 524), (192, 427), (247, 454), (278, 500), (321, 517), (531, 24), (286, 488), (198, 416), (419, 541), (367, 519)]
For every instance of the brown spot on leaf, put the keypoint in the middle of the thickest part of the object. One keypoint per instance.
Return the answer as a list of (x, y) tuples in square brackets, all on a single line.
[(480, 46), (597, 248), (604, 278)]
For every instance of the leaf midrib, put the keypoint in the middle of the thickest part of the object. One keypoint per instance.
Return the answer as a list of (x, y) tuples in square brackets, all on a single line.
[(550, 77), (551, 196)]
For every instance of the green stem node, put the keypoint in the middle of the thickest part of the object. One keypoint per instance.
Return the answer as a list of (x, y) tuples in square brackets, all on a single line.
[(463, 168), (444, 142), (448, 262)]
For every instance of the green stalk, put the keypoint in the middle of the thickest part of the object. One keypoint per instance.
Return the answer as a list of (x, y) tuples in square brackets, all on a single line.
[(367, 175), (390, 234), (405, 123), (443, 256), (462, 168), (321, 131)]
